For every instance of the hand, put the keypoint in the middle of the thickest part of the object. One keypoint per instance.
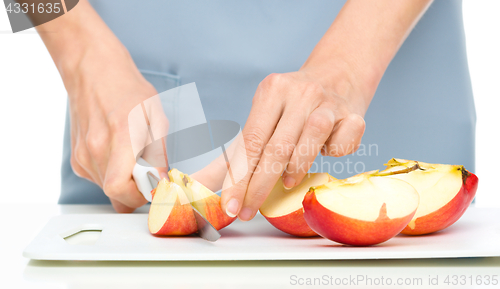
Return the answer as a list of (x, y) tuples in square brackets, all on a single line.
[(294, 116), (104, 86), (102, 92), (321, 106)]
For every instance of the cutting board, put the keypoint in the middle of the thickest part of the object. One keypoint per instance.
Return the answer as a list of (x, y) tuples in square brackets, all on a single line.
[(126, 237)]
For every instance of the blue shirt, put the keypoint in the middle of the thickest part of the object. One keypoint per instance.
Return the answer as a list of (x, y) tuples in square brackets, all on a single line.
[(423, 108)]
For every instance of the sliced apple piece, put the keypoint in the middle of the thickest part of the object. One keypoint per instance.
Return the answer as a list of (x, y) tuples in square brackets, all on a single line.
[(283, 208), (446, 192), (202, 198), (170, 213), (362, 210)]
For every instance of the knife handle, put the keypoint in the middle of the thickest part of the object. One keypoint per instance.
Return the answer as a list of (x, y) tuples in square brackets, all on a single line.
[(140, 175)]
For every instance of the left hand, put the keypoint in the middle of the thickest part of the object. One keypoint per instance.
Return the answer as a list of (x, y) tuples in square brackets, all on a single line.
[(294, 116)]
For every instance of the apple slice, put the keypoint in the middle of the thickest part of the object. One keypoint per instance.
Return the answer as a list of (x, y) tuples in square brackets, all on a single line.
[(170, 213), (203, 199), (362, 210), (446, 192), (283, 208)]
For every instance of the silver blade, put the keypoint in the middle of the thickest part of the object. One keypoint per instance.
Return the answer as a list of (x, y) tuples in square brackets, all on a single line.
[(205, 229), (153, 180)]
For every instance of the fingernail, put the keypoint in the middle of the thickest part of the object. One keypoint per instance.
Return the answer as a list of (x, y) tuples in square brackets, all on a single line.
[(164, 175), (245, 214), (288, 182), (232, 208)]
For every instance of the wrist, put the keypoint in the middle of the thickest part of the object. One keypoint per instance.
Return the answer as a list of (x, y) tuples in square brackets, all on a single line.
[(92, 59), (356, 50), (78, 40)]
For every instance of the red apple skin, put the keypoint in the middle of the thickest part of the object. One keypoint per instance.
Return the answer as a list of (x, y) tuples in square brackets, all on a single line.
[(293, 224), (214, 213), (180, 222), (351, 231), (450, 213)]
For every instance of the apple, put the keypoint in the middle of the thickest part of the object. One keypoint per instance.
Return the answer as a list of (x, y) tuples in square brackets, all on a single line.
[(283, 207), (202, 198), (170, 213), (446, 191), (362, 210)]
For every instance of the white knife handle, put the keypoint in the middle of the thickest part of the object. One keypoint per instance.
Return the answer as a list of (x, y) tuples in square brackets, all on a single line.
[(141, 179)]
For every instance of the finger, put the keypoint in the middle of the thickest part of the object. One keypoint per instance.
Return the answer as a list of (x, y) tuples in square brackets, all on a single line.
[(346, 138), (97, 143), (121, 208), (163, 172), (237, 165), (118, 183), (318, 128), (75, 165), (139, 133), (77, 168), (83, 159), (219, 174), (156, 152), (212, 176), (273, 162), (256, 133)]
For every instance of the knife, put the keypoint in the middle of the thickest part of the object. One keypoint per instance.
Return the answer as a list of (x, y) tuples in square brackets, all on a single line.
[(148, 178)]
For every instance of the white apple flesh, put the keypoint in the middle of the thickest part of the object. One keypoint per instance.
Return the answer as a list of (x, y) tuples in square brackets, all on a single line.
[(446, 191), (170, 213), (283, 208), (202, 198), (362, 210)]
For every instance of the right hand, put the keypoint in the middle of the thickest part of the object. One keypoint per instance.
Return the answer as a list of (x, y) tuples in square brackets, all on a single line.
[(103, 88)]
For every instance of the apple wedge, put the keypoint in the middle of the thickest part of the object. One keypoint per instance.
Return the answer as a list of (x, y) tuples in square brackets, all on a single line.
[(203, 199), (170, 213), (283, 208), (446, 192), (362, 210)]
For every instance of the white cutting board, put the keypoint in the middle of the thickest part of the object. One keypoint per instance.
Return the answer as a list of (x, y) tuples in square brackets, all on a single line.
[(126, 237)]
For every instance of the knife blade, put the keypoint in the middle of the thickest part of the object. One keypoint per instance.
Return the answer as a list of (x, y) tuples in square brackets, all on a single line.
[(205, 229)]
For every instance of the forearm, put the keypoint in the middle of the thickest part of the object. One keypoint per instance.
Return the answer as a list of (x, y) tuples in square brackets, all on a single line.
[(362, 40), (76, 36)]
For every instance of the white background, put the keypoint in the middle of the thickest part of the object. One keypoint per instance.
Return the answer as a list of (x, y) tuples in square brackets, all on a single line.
[(34, 100)]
